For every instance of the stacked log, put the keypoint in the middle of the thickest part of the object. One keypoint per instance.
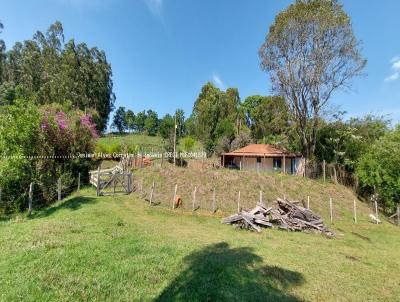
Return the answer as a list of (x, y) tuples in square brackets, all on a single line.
[(286, 215)]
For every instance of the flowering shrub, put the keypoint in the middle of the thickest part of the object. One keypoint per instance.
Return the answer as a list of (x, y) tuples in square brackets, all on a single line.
[(87, 122), (47, 141)]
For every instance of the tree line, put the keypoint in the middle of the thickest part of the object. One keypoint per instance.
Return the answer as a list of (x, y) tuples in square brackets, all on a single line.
[(46, 70)]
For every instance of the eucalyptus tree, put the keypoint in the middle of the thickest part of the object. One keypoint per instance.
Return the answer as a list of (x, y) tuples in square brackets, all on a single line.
[(310, 52), (130, 120), (215, 114), (2, 53), (266, 116), (119, 121), (47, 70), (151, 122)]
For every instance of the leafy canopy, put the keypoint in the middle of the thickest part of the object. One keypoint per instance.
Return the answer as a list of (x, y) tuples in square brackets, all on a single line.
[(47, 70), (310, 52), (379, 169)]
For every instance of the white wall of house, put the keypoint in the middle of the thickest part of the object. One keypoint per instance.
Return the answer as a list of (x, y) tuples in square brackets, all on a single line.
[(266, 164)]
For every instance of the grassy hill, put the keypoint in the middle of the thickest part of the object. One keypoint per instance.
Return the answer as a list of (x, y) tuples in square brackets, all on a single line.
[(118, 248), (148, 143), (228, 183), (138, 139)]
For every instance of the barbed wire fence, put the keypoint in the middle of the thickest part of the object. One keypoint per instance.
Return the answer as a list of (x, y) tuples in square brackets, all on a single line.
[(214, 199), (35, 198), (209, 198)]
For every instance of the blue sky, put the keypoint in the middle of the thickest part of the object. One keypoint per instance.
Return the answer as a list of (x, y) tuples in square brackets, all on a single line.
[(163, 51)]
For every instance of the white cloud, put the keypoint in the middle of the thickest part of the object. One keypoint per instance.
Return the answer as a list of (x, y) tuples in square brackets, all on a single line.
[(392, 77), (395, 61), (396, 65), (155, 6), (217, 81)]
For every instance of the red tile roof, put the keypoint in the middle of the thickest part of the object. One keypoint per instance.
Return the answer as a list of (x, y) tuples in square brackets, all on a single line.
[(261, 150)]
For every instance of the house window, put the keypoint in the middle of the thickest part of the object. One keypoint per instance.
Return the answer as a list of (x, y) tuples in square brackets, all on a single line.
[(259, 159), (277, 163)]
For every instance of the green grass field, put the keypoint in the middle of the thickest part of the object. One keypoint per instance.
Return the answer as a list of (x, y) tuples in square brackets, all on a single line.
[(146, 142), (89, 248), (138, 139)]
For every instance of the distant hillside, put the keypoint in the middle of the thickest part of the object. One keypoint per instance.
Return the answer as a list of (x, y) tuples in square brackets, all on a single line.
[(113, 142)]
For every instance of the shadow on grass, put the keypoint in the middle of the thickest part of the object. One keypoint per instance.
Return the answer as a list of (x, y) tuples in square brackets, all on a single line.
[(221, 273), (72, 204)]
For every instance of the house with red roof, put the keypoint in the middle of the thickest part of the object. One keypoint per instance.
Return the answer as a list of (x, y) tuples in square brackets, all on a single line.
[(264, 158)]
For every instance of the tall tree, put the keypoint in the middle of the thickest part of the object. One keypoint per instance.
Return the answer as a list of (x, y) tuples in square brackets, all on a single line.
[(130, 120), (266, 115), (151, 122), (2, 54), (180, 123), (310, 52), (215, 113), (140, 120), (119, 121), (166, 126)]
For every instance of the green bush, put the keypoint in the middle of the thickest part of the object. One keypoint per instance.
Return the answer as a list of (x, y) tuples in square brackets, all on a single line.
[(40, 145), (109, 147), (378, 170), (188, 143)]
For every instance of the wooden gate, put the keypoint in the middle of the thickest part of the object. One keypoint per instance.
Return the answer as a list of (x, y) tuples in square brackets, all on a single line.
[(111, 181)]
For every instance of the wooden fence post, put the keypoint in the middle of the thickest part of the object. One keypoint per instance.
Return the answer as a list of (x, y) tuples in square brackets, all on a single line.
[(261, 198), (98, 182), (162, 159), (355, 211), (376, 210), (238, 202), (194, 197), (59, 188), (114, 182), (324, 169), (129, 181), (151, 193), (284, 164), (79, 181), (30, 198), (175, 191), (330, 209), (308, 202), (398, 214), (214, 200)]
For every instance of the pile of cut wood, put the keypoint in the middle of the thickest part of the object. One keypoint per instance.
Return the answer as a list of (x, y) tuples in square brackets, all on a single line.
[(285, 215)]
